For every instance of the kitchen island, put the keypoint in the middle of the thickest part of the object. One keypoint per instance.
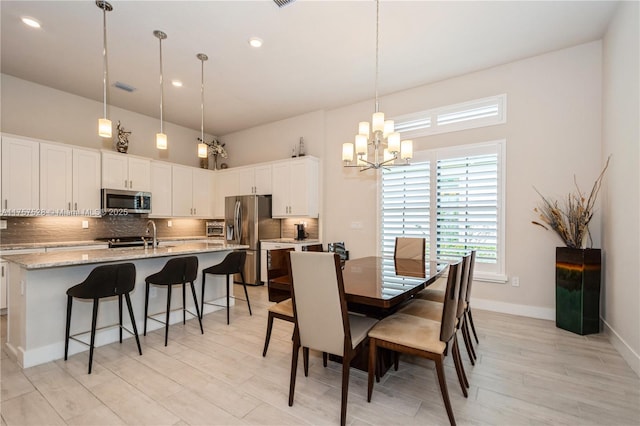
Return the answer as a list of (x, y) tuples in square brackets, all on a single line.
[(37, 285)]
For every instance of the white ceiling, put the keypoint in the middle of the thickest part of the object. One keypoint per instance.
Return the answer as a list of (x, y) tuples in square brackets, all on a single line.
[(316, 54)]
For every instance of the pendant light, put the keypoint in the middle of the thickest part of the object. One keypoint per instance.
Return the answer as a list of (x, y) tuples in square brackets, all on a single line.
[(161, 138), (104, 124), (202, 147)]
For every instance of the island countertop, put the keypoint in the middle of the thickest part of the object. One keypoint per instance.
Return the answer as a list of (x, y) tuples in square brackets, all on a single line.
[(82, 257)]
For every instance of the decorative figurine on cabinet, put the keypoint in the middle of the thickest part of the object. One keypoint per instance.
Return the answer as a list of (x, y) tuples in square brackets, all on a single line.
[(122, 142)]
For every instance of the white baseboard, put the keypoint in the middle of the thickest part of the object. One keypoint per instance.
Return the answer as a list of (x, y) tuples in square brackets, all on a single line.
[(629, 355), (515, 309)]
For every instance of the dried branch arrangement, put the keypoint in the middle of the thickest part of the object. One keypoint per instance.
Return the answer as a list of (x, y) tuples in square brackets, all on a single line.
[(570, 220)]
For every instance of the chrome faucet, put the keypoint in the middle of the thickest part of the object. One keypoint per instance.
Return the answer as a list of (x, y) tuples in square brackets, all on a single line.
[(155, 232)]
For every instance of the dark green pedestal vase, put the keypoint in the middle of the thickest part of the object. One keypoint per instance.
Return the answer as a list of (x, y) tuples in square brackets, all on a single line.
[(578, 290)]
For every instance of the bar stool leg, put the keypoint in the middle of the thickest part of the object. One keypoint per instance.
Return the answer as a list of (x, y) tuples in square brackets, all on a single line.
[(202, 299), (120, 315), (94, 320), (133, 321), (227, 299), (66, 341), (184, 306), (195, 302), (246, 294), (166, 326), (146, 307)]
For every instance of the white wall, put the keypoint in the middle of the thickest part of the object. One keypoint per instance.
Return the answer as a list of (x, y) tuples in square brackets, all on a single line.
[(37, 111), (621, 189)]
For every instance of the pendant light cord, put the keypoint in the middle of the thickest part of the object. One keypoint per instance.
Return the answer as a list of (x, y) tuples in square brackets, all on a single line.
[(161, 85), (104, 59), (202, 98)]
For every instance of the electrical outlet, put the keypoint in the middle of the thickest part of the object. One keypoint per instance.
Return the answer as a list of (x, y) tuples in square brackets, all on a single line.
[(356, 225), (3, 224), (169, 223), (85, 224), (515, 281)]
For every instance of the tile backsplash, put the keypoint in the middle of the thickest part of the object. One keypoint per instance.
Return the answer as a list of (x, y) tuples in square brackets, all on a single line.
[(27, 230)]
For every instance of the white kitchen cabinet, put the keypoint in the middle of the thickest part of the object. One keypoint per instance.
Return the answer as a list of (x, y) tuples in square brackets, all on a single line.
[(254, 180), (20, 173), (121, 171), (295, 188), (161, 189), (69, 179), (226, 184), (192, 191)]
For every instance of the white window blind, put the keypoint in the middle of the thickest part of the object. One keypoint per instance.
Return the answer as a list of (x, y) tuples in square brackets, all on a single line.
[(454, 198)]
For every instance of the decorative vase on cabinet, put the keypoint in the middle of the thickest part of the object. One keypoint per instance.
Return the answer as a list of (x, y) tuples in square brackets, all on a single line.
[(578, 289)]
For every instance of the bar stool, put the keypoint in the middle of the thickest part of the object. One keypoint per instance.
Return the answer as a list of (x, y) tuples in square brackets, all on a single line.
[(179, 270), (232, 264), (102, 282)]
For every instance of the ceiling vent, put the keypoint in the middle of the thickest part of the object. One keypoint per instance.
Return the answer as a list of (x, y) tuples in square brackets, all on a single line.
[(282, 3), (123, 86)]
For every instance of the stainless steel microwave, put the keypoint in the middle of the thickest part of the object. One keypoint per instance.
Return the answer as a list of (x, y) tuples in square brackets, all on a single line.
[(118, 201)]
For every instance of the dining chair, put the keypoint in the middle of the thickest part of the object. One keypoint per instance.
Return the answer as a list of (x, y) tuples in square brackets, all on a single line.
[(409, 248), (429, 309), (340, 248), (278, 281), (321, 319), (313, 247), (437, 295), (422, 337), (282, 310)]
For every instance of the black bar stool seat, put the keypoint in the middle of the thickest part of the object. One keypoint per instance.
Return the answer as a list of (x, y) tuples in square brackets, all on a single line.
[(232, 264), (178, 270), (102, 282)]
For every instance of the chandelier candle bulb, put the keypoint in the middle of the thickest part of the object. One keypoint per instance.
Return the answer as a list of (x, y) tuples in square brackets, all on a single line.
[(387, 156), (388, 128), (347, 152), (407, 150), (377, 121), (361, 145), (363, 128), (393, 142)]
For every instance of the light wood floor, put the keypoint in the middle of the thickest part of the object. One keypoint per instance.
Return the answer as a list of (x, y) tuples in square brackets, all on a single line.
[(528, 372)]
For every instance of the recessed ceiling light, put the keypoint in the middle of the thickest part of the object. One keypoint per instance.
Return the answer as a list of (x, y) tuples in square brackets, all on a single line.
[(255, 42), (176, 83), (30, 22)]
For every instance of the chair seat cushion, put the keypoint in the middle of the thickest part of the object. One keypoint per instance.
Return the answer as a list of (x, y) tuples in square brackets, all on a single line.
[(283, 308), (360, 326), (410, 331), (427, 309)]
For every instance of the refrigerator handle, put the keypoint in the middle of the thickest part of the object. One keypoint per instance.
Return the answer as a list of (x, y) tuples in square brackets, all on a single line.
[(238, 221)]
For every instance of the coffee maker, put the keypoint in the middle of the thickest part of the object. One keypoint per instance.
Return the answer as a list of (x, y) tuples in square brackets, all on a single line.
[(300, 234)]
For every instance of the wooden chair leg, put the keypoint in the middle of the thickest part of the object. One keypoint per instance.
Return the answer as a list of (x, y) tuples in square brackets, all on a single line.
[(372, 367), (346, 361), (443, 389), (473, 327), (396, 360), (94, 320), (467, 341), (195, 302), (66, 337), (459, 369), (133, 322), (294, 367), (268, 336), (305, 360), (325, 356)]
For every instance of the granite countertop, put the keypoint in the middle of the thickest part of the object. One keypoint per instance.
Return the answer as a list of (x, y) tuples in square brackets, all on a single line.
[(291, 241), (54, 244), (81, 257)]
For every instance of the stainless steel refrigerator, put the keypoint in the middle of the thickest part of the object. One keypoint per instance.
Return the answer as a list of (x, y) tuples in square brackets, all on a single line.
[(247, 221)]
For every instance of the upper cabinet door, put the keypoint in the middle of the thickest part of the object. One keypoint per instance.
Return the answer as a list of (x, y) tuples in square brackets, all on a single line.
[(139, 174), (161, 189), (281, 189), (56, 172), (262, 179), (202, 192), (86, 181), (115, 171), (182, 180), (20, 173), (295, 188)]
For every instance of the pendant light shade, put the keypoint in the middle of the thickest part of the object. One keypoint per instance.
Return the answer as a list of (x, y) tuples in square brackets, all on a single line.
[(104, 124), (161, 138), (203, 151)]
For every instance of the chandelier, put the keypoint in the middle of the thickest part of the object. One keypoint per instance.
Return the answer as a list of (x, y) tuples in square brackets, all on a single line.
[(386, 143)]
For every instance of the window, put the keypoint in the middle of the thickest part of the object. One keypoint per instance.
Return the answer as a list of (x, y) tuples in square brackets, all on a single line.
[(466, 115), (454, 198)]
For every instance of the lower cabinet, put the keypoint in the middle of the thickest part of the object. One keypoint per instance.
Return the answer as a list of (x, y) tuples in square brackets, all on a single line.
[(3, 285)]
